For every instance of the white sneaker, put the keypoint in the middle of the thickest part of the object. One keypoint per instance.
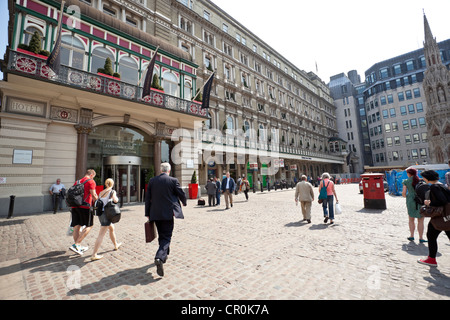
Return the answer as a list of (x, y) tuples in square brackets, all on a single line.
[(84, 249), (76, 249)]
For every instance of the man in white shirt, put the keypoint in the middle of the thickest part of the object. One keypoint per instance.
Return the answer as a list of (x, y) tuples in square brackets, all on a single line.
[(57, 197)]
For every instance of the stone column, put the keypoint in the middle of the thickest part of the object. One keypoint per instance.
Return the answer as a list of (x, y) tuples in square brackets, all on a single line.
[(84, 128), (157, 156)]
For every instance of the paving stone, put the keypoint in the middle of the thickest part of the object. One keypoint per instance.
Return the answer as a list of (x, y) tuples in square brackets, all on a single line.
[(256, 250)]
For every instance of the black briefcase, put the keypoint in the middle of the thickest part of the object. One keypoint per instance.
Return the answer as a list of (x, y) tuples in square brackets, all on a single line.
[(150, 231)]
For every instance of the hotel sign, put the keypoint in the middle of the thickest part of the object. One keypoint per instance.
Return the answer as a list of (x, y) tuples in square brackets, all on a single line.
[(32, 108)]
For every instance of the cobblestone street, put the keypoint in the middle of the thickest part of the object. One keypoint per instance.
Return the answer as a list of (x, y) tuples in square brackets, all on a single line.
[(256, 250)]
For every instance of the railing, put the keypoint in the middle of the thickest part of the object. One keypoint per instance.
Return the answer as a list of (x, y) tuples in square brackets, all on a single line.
[(35, 66)]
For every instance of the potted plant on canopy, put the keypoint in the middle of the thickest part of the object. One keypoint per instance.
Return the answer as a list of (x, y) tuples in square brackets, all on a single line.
[(193, 187)]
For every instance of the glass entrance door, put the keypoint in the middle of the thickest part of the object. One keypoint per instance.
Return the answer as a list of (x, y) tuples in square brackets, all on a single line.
[(125, 171)]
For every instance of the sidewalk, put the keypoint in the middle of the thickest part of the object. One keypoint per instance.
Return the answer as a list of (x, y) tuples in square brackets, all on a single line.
[(256, 250)]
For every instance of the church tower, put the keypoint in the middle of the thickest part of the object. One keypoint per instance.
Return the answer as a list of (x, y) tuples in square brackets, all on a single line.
[(436, 87)]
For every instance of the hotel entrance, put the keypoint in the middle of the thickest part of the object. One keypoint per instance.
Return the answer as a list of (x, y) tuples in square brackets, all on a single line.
[(125, 171)]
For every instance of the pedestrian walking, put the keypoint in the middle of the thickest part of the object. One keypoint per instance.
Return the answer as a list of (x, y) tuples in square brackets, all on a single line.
[(105, 225), (228, 186), (245, 186), (218, 189), (327, 204), (162, 204), (83, 215), (57, 191), (238, 186), (211, 188), (413, 208), (439, 196), (304, 193)]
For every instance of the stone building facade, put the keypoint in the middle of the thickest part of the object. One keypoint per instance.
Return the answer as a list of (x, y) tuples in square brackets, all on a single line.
[(267, 118), (436, 86)]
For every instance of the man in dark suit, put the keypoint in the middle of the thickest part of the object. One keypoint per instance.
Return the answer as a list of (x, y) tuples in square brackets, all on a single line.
[(162, 203), (228, 186)]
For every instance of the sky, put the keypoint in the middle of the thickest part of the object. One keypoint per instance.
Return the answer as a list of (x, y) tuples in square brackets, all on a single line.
[(340, 35), (337, 35)]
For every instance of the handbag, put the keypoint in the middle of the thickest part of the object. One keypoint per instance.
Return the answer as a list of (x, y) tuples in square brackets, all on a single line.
[(440, 216), (98, 208), (323, 193), (112, 210), (338, 209), (150, 231)]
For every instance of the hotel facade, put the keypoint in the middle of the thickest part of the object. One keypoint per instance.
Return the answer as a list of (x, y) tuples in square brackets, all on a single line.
[(267, 118)]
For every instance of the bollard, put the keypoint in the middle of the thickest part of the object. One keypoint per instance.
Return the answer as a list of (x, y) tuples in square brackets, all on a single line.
[(11, 206), (121, 199)]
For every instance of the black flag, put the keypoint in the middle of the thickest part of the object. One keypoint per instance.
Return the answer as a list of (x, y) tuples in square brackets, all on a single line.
[(149, 76), (206, 92), (54, 60)]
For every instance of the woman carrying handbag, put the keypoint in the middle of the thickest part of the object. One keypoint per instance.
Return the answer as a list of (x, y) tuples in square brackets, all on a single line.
[(328, 202), (105, 196), (436, 207)]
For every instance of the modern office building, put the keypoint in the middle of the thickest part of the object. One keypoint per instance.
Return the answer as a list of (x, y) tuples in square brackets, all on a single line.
[(267, 118), (396, 108), (347, 93)]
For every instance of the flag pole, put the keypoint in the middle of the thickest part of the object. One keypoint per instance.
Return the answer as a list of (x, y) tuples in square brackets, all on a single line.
[(61, 12), (200, 90), (156, 51)]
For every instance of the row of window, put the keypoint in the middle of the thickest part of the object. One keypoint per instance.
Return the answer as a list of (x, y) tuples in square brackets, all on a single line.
[(264, 134), (396, 141), (398, 155), (394, 84), (393, 127), (402, 68), (389, 99), (73, 54)]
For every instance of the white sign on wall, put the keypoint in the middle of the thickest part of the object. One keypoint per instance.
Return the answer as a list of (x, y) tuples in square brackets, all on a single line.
[(22, 156)]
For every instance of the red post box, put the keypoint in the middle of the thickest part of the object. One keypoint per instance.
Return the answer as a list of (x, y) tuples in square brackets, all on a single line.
[(373, 189)]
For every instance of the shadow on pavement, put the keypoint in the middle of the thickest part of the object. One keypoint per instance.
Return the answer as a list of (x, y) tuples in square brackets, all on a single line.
[(131, 277), (439, 282)]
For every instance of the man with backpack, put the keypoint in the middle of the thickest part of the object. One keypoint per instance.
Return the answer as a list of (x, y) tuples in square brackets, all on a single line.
[(80, 198)]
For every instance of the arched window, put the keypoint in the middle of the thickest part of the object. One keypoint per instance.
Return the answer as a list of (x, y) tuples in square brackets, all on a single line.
[(170, 84), (29, 33), (187, 90), (262, 135), (128, 69), (247, 128), (275, 135), (98, 59), (230, 124), (72, 52)]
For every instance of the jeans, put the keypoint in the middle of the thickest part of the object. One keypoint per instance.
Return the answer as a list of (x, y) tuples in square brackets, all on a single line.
[(328, 202), (218, 198), (57, 201)]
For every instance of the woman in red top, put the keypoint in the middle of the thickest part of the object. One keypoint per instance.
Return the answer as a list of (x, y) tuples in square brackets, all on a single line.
[(328, 202)]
